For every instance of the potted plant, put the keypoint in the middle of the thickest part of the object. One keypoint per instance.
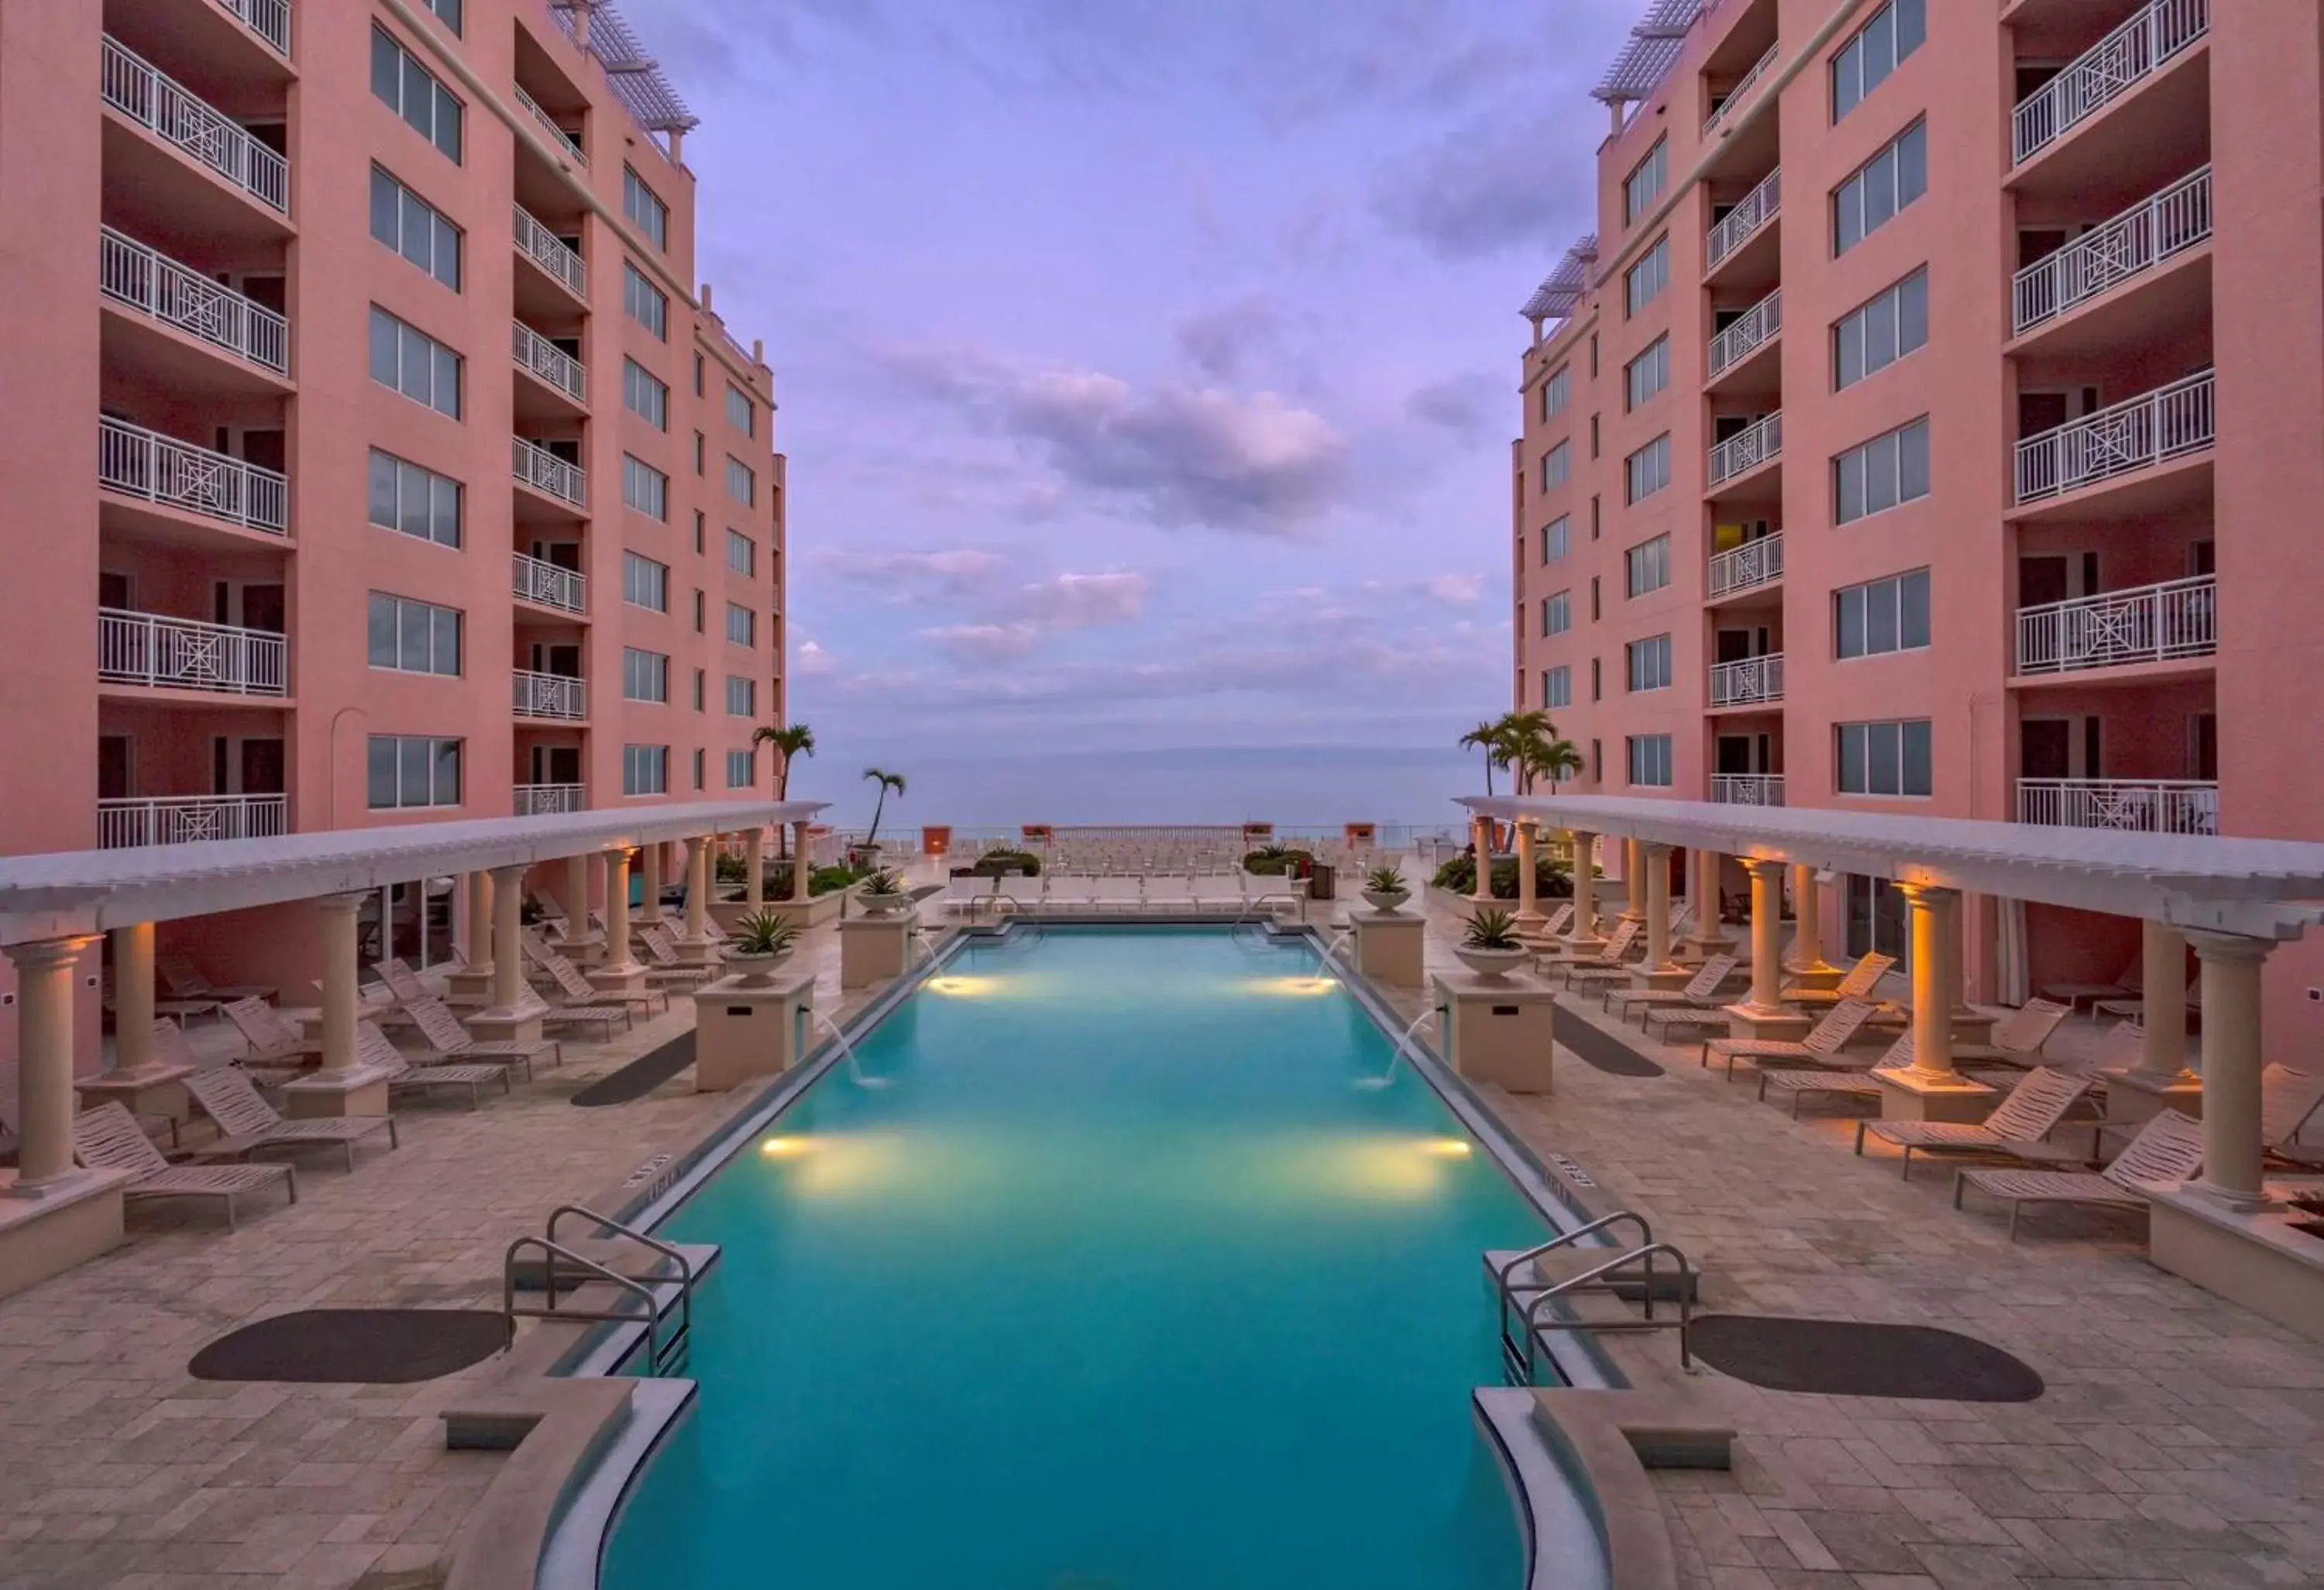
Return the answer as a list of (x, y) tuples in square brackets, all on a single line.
[(1385, 888), (882, 893), (758, 944), (1489, 946)]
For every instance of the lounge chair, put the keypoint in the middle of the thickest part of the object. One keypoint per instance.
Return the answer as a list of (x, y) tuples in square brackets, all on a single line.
[(2135, 1010), (1802, 1083), (1821, 1047), (273, 1041), (2128, 983), (446, 1040), (2018, 1128), (663, 966), (374, 1050), (1700, 994), (2018, 1036), (1611, 954), (2168, 1148), (405, 988), (577, 989), (107, 1138), (250, 1124), (1547, 936), (180, 975), (1861, 978), (2289, 1100)]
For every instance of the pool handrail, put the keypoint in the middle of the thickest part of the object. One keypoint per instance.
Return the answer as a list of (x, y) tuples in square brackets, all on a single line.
[(1646, 1253)]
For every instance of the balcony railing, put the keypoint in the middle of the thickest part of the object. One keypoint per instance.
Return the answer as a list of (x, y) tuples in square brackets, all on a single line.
[(1747, 449), (1744, 86), (552, 363), (131, 273), (1753, 328), (2145, 431), (569, 142), (1759, 207), (1747, 789), (2105, 71), (1753, 563), (1748, 680), (549, 695), (2143, 805), (544, 248), (2140, 238), (2150, 624), (269, 19), (135, 88), (157, 650), (548, 799), (538, 467), (188, 819), (163, 469), (551, 586)]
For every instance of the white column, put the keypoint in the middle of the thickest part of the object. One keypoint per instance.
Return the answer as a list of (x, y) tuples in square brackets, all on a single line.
[(1702, 895), (1767, 934), (341, 992), (505, 888), (1953, 936), (801, 867), (1807, 920), (754, 867), (649, 865), (480, 949), (132, 1000), (2162, 969), (1584, 927), (2232, 1062), (698, 890), (1932, 1005), (45, 1067), (578, 934), (1634, 881), (1655, 863), (1528, 903), (1481, 837)]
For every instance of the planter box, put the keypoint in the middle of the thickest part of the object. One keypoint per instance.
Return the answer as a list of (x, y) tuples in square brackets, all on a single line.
[(823, 907)]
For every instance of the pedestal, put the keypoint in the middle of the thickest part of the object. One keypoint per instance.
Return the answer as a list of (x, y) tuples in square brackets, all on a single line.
[(697, 952), (159, 1091), (320, 1094), (2252, 1258), (75, 1220), (1779, 1025), (1672, 977), (1497, 1029), (1389, 947), (2133, 1098), (1815, 977), (1973, 1026), (1950, 1097), (742, 1033), (874, 950), (468, 988), (516, 1023)]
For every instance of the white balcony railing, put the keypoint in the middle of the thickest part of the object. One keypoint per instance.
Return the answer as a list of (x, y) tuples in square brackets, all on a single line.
[(1743, 86), (1748, 680), (269, 19), (129, 273), (188, 819), (546, 799), (1747, 789), (1759, 207), (538, 467), (2143, 805), (2140, 238), (1753, 563), (1747, 449), (2106, 70), (551, 586), (154, 650), (163, 469), (568, 141), (2145, 431), (2150, 624), (146, 95), (544, 248), (1755, 327), (549, 695), (552, 363)]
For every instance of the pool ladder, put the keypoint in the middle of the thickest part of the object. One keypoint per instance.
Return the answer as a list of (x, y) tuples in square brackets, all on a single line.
[(1521, 1304), (666, 1350)]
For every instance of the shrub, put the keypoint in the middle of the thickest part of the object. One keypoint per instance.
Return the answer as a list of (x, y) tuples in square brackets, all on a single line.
[(1279, 861), (731, 869), (827, 879), (1551, 879), (994, 863)]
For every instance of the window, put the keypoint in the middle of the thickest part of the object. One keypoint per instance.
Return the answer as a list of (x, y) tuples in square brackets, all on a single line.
[(1882, 332), (1593, 436), (418, 501), (1879, 920), (1648, 470), (1557, 686), (701, 763), (740, 414), (1648, 663), (701, 533), (1556, 466), (1649, 277), (645, 583), (1883, 758), (741, 769), (645, 487), (414, 363), (414, 637), (645, 208), (1649, 566), (701, 454), (648, 305), (447, 12), (1884, 472), (741, 553), (700, 364), (1646, 374), (741, 696), (701, 690), (1558, 392), (741, 485), (1865, 62), (701, 609), (1882, 615), (1594, 612), (405, 87), (1882, 186), (741, 624), (645, 675), (1555, 536), (1650, 761), (643, 395), (411, 226), (1557, 613), (1597, 689), (404, 771), (645, 770), (1645, 182)]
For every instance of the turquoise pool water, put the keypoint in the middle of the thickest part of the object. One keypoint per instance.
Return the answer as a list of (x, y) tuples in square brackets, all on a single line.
[(1115, 1277)]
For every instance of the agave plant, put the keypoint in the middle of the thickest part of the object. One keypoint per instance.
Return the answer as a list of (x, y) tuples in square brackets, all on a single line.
[(884, 884), (762, 933), (1386, 880), (1491, 929)]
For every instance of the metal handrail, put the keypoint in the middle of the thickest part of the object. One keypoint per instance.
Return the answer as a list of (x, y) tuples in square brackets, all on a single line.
[(548, 1310), (1645, 1234), (1646, 1254)]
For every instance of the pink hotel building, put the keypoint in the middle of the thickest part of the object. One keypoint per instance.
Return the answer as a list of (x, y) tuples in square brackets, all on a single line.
[(297, 545), (1936, 421)]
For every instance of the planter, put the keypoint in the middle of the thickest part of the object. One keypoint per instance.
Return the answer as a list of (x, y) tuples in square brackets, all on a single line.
[(1380, 899), (755, 971), (1491, 964), (885, 905)]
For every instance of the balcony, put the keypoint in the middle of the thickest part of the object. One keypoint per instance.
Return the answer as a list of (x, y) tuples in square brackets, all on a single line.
[(548, 586), (2138, 806), (2179, 619), (1739, 225), (2133, 242), (548, 799), (2104, 72), (1748, 681), (559, 138), (1742, 89), (160, 469), (1758, 328), (1746, 567), (549, 695), (2152, 428), (157, 651), (1757, 443), (159, 287), (1747, 789), (545, 249), (162, 107), (269, 19), (538, 357), (188, 819), (544, 471)]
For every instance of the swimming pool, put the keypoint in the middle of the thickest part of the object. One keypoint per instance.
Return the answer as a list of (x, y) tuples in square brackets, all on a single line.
[(1111, 1266)]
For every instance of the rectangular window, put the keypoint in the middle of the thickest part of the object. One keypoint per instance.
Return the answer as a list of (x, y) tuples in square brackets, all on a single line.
[(413, 363), (741, 485), (645, 770), (741, 769), (1884, 472), (1890, 758), (406, 88), (1648, 374), (701, 610), (741, 624), (1880, 187), (1647, 279), (741, 696), (1555, 537), (645, 208), (1648, 470), (645, 487), (741, 553), (1557, 686), (418, 501), (1882, 332), (1650, 761), (1645, 182), (1648, 566), (1556, 466), (740, 413), (701, 765), (447, 12), (701, 454), (414, 637), (643, 395), (413, 227), (1557, 613), (1873, 51), (1556, 392), (701, 533), (1648, 663), (648, 305), (645, 583), (645, 676), (406, 771), (1882, 615), (701, 690)]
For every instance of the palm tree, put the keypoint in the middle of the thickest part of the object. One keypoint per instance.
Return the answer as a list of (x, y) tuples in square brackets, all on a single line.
[(1548, 757), (886, 782), (790, 741), (1487, 737)]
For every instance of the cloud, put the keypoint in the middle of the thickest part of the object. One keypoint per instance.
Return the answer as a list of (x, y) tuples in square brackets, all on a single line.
[(1218, 340), (1462, 405), (1458, 590), (1079, 601), (1495, 182), (984, 644), (811, 661), (907, 575)]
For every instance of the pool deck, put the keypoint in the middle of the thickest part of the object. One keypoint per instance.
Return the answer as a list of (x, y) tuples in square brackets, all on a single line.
[(2178, 1443)]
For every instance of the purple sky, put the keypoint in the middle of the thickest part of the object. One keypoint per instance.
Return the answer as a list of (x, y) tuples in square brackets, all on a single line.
[(1145, 365)]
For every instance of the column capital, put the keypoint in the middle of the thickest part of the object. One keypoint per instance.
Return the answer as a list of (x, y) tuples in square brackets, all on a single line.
[(1761, 865), (349, 903), (44, 953), (697, 841), (2228, 947), (511, 873), (1926, 893), (1657, 846)]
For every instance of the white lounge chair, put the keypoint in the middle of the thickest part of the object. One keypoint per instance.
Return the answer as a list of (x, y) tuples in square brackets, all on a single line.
[(1546, 935), (249, 1123), (2018, 1036), (2167, 1148), (2289, 1100), (1802, 1083), (1700, 994), (107, 1138), (374, 1050), (406, 987), (663, 963), (1861, 978), (2135, 1010), (2128, 983), (441, 1031), (1608, 956), (572, 983), (184, 980), (1821, 1047), (2018, 1129), (272, 1042)]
